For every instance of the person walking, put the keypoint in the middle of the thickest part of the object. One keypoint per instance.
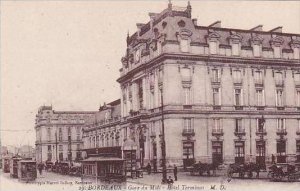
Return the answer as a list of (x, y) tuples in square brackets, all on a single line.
[(175, 172), (40, 168), (273, 159), (148, 167)]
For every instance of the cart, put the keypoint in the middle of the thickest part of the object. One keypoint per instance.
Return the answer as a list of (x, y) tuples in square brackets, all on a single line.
[(14, 166), (27, 170)]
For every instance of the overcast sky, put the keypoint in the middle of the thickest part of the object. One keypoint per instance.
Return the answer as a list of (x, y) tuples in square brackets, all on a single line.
[(67, 53)]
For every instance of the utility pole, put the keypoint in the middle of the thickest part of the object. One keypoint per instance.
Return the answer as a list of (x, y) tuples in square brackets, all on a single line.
[(163, 144), (56, 145)]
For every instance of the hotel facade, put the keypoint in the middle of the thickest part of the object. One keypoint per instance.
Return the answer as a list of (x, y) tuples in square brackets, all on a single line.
[(226, 95)]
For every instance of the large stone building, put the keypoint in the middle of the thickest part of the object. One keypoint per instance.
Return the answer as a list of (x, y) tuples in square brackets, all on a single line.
[(229, 95), (59, 134)]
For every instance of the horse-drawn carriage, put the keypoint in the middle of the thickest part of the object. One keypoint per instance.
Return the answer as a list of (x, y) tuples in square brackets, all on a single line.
[(279, 173), (200, 168), (243, 169)]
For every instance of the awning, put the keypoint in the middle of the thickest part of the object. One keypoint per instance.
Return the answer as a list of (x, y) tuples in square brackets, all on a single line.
[(96, 159)]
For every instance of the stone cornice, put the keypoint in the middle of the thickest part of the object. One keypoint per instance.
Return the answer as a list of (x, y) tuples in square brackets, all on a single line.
[(210, 58)]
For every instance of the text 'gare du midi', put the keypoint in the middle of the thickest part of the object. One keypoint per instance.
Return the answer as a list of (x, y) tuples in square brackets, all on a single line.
[(223, 95)]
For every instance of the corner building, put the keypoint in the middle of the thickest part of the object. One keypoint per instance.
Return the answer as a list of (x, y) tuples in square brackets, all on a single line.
[(229, 95), (59, 134)]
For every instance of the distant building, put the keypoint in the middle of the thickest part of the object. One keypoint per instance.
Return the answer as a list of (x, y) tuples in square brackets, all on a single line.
[(59, 134), (27, 151)]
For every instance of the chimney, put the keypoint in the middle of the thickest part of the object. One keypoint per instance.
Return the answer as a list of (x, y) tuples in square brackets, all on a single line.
[(139, 27), (257, 28), (216, 24), (277, 29), (152, 17), (194, 21)]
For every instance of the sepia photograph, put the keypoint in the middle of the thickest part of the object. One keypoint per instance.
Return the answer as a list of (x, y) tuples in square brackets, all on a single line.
[(149, 95)]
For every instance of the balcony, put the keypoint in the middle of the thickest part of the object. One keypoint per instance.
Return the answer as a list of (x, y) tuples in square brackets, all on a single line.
[(237, 81), (261, 132), (260, 107), (152, 135), (216, 107), (217, 132), (216, 80), (239, 107), (279, 83), (240, 132), (259, 82), (281, 132), (280, 107), (297, 83), (188, 132), (298, 132)]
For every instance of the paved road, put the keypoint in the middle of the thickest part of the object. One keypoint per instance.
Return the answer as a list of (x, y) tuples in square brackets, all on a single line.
[(53, 182)]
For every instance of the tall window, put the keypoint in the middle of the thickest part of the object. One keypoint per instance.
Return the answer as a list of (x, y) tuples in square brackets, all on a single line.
[(97, 141), (217, 126), (281, 125), (215, 75), (298, 98), (49, 153), (184, 46), (297, 150), (281, 151), (277, 53), (256, 50), (187, 124), (61, 155), (258, 77), (49, 134), (69, 133), (296, 53), (278, 78), (185, 74), (238, 126), (187, 95), (279, 97), (260, 97), (140, 93), (239, 151), (78, 130), (237, 76), (60, 135), (213, 47), (260, 125), (235, 49), (238, 97), (216, 96)]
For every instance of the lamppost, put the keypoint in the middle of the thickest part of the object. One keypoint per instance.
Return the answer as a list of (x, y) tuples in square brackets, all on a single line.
[(163, 144)]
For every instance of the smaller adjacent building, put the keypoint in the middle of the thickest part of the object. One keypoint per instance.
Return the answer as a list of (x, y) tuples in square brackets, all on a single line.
[(59, 134)]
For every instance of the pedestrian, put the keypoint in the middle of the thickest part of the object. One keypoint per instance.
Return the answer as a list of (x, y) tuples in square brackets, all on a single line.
[(273, 159), (170, 182), (148, 168), (40, 167), (175, 172)]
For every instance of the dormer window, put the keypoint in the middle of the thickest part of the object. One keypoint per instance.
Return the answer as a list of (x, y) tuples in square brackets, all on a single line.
[(137, 55), (277, 53), (213, 47), (184, 47), (235, 49), (256, 50)]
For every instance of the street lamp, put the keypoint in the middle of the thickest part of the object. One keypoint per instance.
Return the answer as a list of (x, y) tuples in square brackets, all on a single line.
[(163, 144)]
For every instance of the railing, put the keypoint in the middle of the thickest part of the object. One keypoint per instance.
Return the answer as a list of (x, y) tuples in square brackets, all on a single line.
[(279, 82), (215, 79), (240, 132), (259, 82), (217, 132), (237, 80), (261, 132), (186, 132), (281, 132)]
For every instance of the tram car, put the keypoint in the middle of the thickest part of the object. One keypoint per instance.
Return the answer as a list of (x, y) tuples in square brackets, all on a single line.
[(14, 166), (27, 170), (6, 164)]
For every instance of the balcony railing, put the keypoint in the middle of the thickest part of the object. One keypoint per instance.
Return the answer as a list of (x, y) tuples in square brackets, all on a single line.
[(188, 132), (297, 83), (279, 82), (259, 82), (281, 132), (217, 132), (261, 132), (215, 80), (240, 132), (237, 81)]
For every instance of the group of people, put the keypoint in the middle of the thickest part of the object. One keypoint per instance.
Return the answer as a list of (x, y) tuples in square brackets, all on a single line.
[(169, 180)]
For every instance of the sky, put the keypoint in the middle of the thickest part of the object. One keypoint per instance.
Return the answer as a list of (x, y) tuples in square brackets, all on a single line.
[(67, 53)]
